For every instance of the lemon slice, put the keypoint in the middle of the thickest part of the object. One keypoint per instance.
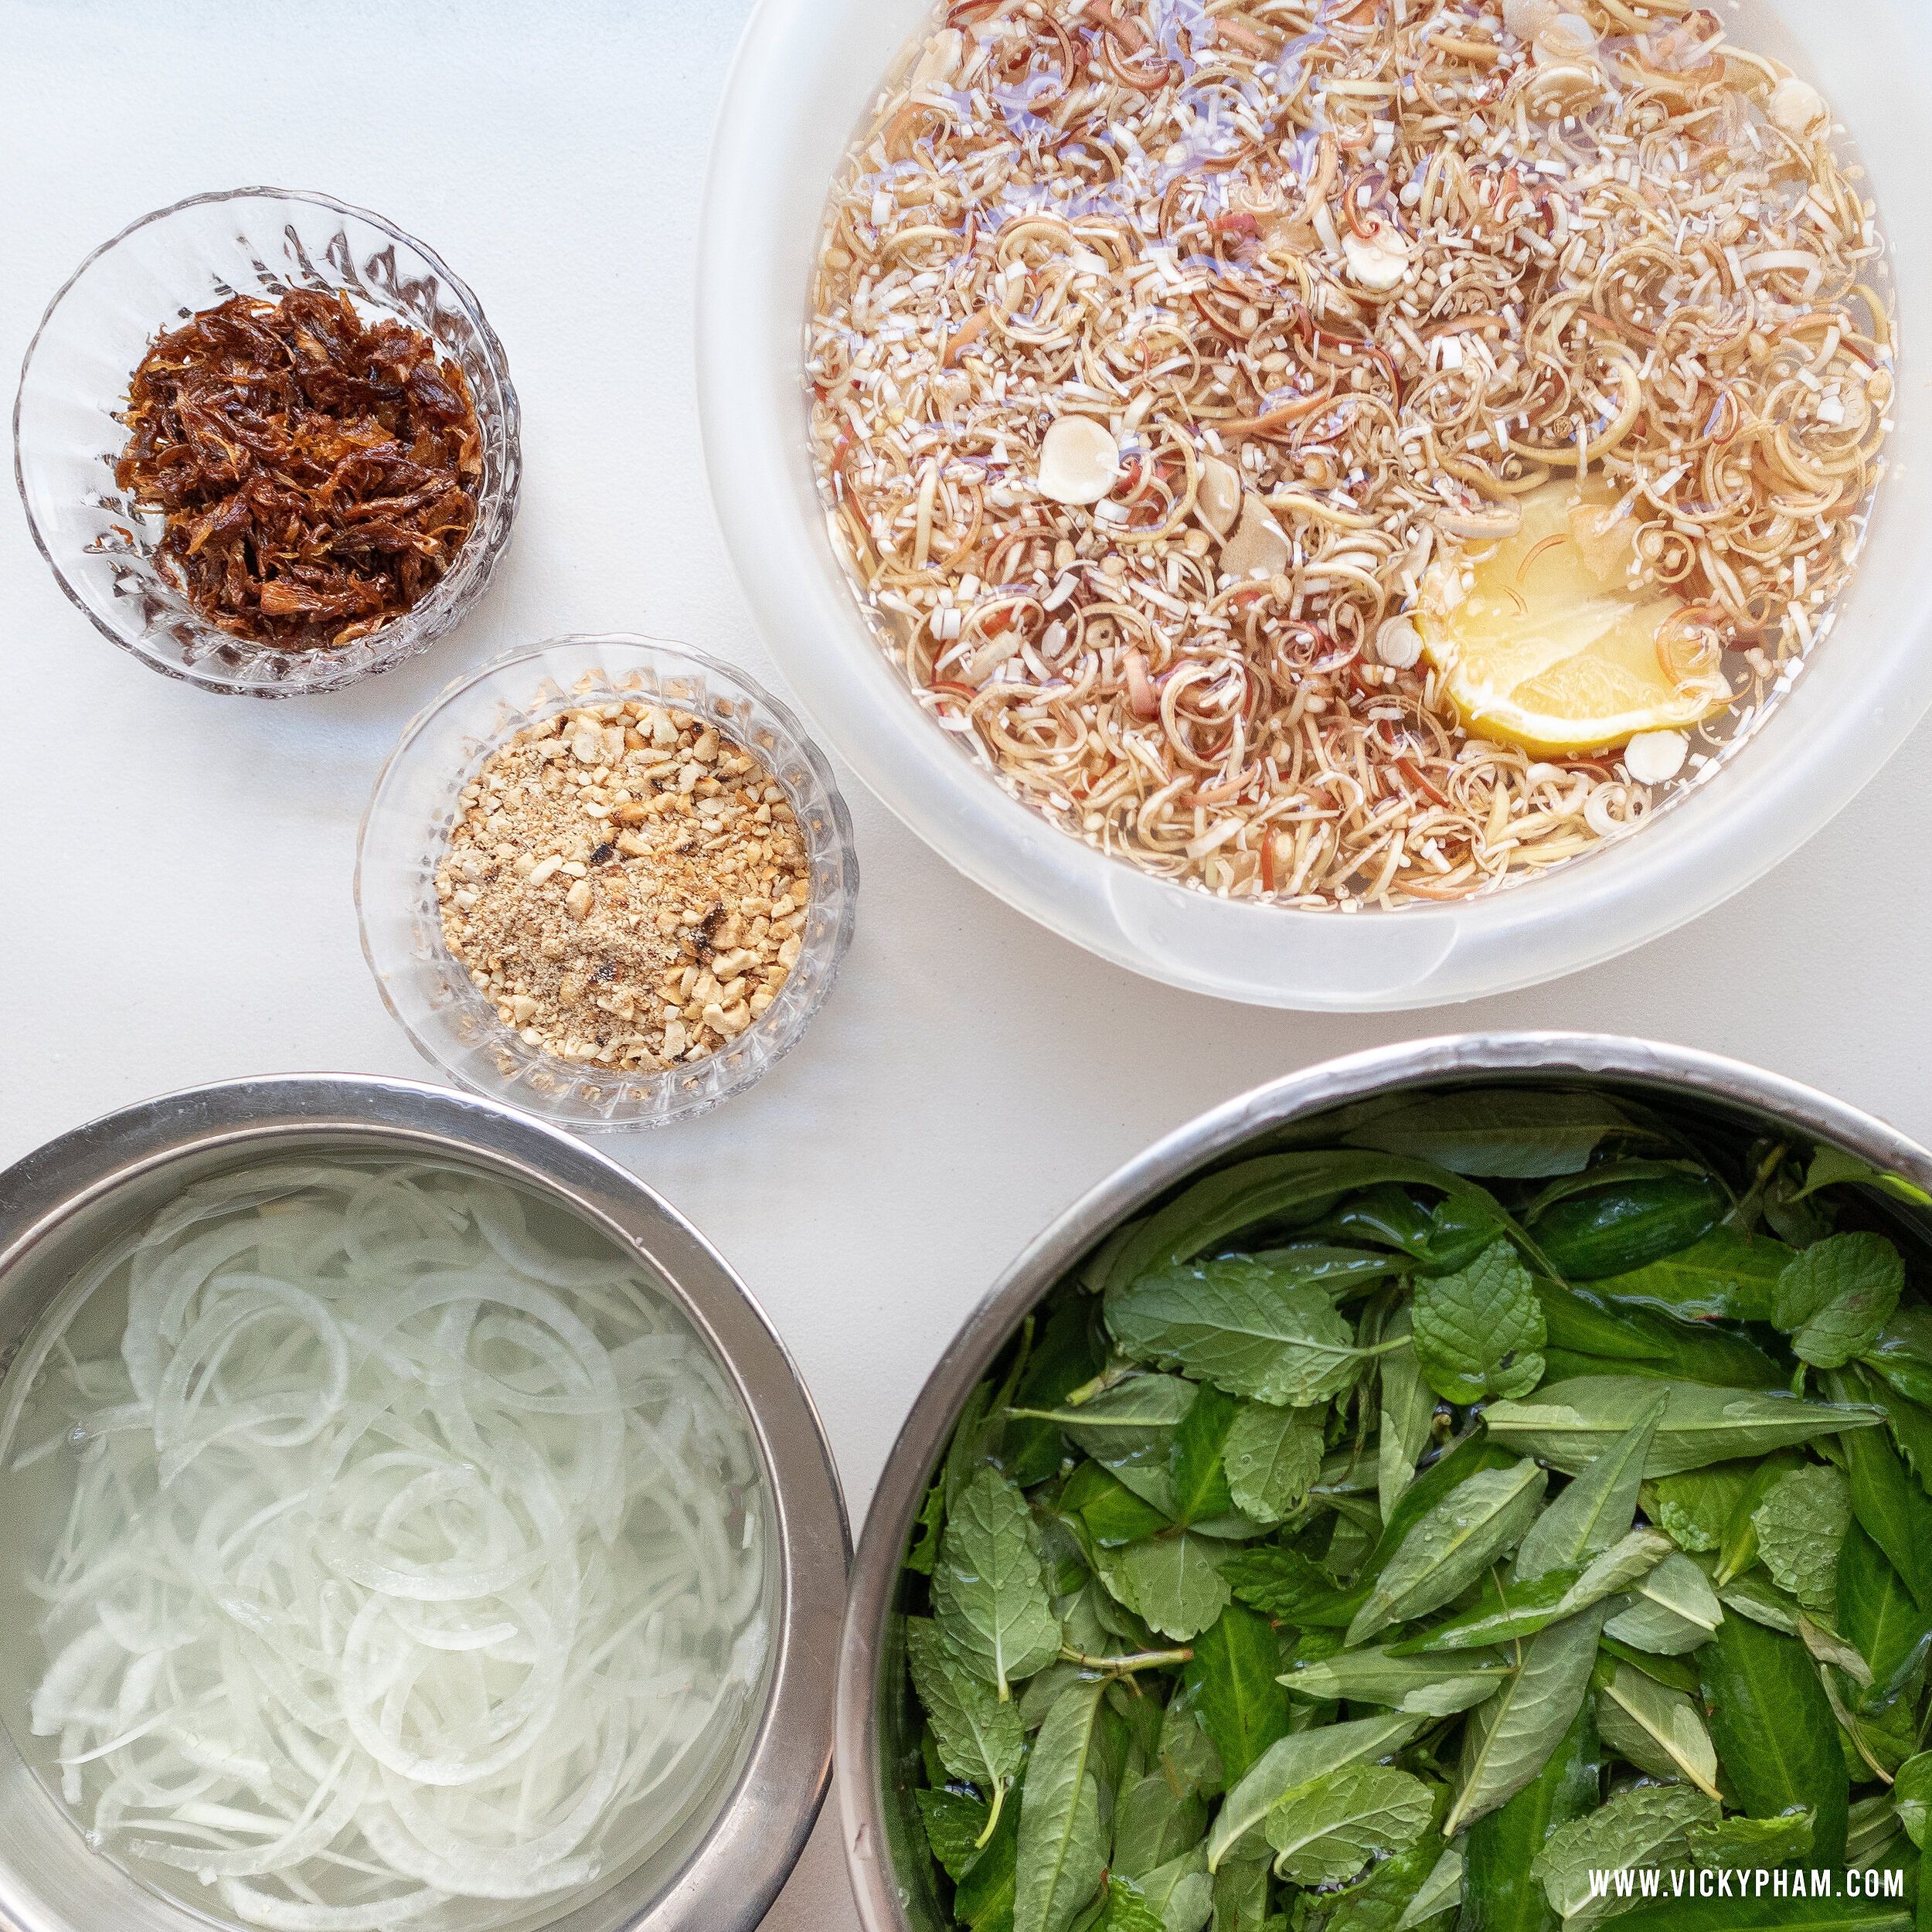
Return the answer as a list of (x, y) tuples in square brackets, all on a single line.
[(1551, 650)]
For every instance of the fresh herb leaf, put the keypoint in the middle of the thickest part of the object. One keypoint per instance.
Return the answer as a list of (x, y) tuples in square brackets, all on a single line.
[(1728, 1276), (956, 1825), (1421, 1685), (1596, 1508), (1241, 1894), (980, 1736), (1695, 1509), (1153, 1824), (989, 1590), (1504, 1133), (1500, 1893), (1737, 1548), (1283, 1583), (1325, 1831), (1765, 1912), (1893, 1508), (1128, 1429), (1180, 1894), (1647, 1825), (1659, 1731), (1440, 1892), (1270, 1457), (1774, 1731), (1299, 1759), (1832, 1167), (1800, 1528), (924, 1550), (1063, 1843), (1890, 1628), (1408, 1408), (1510, 1738), (1452, 1546), (1233, 1677), (1202, 1494), (1567, 1424), (1750, 1844), (1478, 1333), (1834, 1299), (1240, 1326), (1912, 1793), (1173, 1581), (1673, 1610)]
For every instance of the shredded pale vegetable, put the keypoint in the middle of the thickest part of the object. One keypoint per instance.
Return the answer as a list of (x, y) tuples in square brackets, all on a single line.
[(1338, 283), (408, 1569)]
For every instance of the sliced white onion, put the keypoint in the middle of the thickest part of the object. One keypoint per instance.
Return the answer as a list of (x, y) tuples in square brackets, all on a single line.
[(411, 1568)]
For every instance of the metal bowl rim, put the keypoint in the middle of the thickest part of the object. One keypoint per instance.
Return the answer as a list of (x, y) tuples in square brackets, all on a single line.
[(916, 1452), (737, 1868)]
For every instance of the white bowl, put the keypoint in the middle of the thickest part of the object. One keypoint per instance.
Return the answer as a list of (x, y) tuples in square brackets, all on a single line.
[(806, 72)]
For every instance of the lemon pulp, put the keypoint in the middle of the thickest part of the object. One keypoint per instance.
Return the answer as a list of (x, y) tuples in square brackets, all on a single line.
[(1551, 648)]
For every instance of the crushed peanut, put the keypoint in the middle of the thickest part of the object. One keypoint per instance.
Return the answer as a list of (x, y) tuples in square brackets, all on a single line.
[(625, 886)]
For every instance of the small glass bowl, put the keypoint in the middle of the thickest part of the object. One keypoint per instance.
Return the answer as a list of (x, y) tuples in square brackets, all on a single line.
[(405, 833), (155, 275)]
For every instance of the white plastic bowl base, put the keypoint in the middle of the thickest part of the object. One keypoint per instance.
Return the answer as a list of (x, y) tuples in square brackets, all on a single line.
[(805, 72)]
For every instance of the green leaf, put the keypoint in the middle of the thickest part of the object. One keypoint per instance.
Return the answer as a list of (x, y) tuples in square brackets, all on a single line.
[(1112, 1514), (1511, 1739), (1753, 1595), (1834, 1299), (1299, 1759), (1266, 1188), (1242, 1327), (1452, 1546), (1800, 1528), (1129, 1431), (1774, 1731), (1202, 1494), (1174, 1582), (1597, 1507), (1726, 1276), (1408, 1407), (1153, 1823), (955, 1825), (1243, 1710), (1893, 1508), (1750, 1844), (1909, 1425), (1903, 1352), (1282, 1583), (923, 1552), (1499, 1892), (1325, 1831), (1241, 1894), (1912, 1792), (1180, 1893), (1695, 1509), (1419, 1685), (1478, 1333), (1272, 1455), (984, 1897), (1063, 1846), (1506, 1609), (1127, 1910), (1832, 1167), (989, 1590), (1569, 1423), (1523, 1133), (1643, 1826), (1737, 1548), (1659, 1731), (1878, 1614), (1673, 1610), (981, 1738), (1674, 1673)]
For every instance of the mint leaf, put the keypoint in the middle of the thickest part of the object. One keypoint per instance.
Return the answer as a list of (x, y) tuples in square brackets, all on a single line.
[(1481, 1332), (1801, 1531), (1834, 1299), (989, 1588), (1247, 1328), (1326, 1831), (1172, 1582), (1233, 1676), (955, 1825), (980, 1737), (1272, 1456)]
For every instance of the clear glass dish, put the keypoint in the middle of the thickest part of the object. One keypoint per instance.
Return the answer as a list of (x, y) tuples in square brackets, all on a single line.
[(407, 825), (166, 267)]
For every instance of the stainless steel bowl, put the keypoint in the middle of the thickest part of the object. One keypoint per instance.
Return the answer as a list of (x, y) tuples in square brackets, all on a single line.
[(890, 1871), (59, 1206)]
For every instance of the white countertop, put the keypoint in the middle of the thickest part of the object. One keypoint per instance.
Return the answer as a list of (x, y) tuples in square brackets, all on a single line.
[(174, 867)]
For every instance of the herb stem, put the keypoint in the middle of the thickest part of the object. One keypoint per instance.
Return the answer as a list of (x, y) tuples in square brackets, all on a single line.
[(1125, 1666)]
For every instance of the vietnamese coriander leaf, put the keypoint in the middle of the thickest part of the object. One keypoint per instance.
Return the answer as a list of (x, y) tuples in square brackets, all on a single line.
[(1408, 1407), (1596, 1508), (1233, 1676), (1431, 1686), (989, 1590), (1673, 1609), (1479, 1332), (1479, 1521), (1659, 1730), (1062, 1839), (1834, 1298)]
